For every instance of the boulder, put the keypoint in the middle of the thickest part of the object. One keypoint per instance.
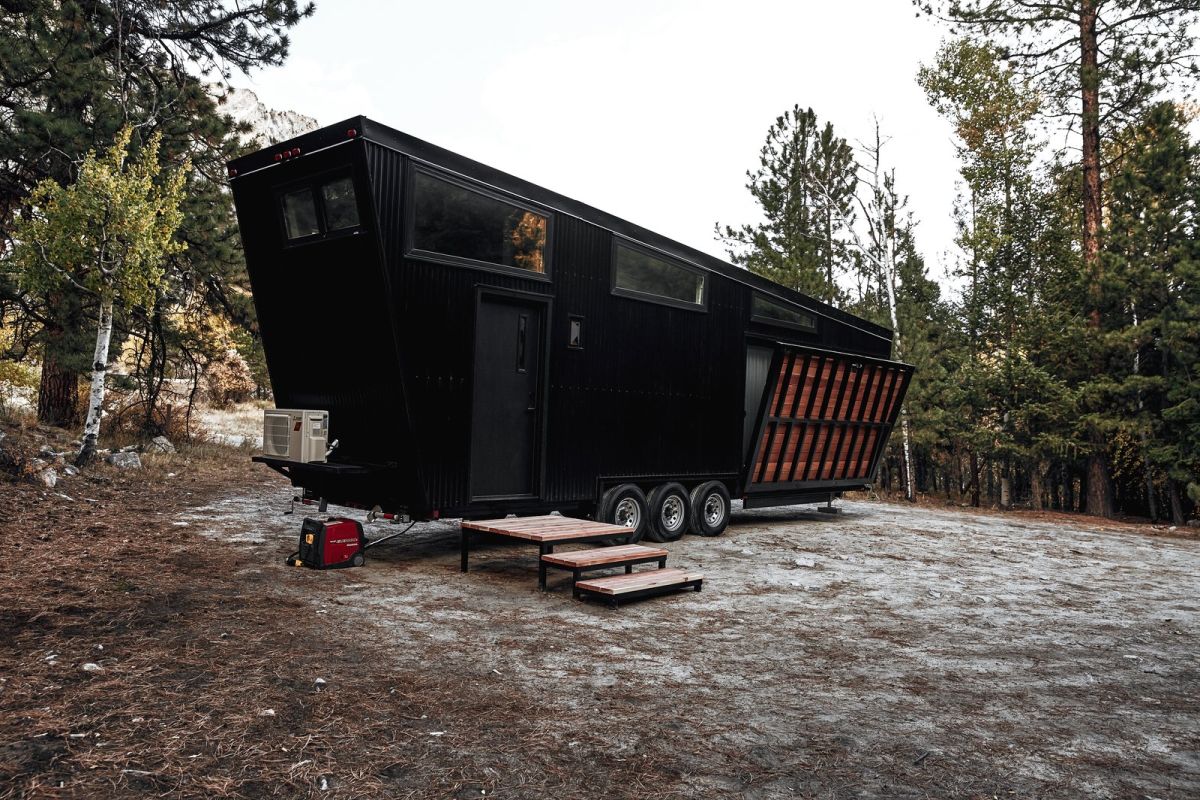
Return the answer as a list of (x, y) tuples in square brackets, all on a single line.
[(124, 460), (47, 477), (159, 444)]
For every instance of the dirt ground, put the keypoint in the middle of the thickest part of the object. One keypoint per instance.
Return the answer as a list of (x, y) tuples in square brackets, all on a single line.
[(888, 651)]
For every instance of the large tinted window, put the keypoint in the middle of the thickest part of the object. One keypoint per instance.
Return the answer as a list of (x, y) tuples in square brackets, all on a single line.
[(764, 309), (638, 271), (455, 221)]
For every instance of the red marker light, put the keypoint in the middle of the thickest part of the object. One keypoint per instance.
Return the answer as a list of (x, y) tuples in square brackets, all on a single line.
[(279, 156), (232, 172), (295, 151), (351, 133)]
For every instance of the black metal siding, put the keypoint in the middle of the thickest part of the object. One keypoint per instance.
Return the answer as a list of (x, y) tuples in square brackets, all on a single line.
[(386, 345)]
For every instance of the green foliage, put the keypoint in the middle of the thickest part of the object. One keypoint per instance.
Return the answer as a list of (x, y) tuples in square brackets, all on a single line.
[(804, 186), (71, 75), (107, 233)]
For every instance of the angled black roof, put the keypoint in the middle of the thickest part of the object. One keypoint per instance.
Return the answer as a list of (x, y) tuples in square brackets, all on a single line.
[(363, 128)]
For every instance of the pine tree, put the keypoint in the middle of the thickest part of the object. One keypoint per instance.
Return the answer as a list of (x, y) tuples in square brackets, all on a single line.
[(800, 242), (1099, 62), (71, 75), (1152, 261)]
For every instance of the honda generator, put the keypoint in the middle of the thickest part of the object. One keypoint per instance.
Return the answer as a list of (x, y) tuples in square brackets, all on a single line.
[(335, 543)]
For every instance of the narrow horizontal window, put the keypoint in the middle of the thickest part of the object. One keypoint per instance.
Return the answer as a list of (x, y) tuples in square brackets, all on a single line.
[(639, 272), (453, 220), (341, 207), (764, 309), (300, 214)]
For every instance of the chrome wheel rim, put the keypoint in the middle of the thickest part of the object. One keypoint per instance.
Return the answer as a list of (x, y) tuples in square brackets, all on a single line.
[(714, 509), (672, 513), (628, 513)]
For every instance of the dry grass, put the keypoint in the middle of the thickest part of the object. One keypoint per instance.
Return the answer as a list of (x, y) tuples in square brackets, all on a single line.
[(206, 685)]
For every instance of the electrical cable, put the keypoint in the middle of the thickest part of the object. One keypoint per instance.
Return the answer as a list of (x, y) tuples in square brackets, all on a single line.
[(369, 545)]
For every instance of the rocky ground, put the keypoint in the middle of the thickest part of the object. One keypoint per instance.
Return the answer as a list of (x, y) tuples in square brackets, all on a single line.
[(153, 643)]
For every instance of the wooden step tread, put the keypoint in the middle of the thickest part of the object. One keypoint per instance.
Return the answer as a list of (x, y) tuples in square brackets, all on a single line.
[(638, 581), (549, 528), (604, 555)]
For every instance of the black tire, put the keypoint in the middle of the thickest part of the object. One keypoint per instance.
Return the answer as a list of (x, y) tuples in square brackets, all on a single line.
[(615, 507), (358, 560), (710, 509), (670, 513)]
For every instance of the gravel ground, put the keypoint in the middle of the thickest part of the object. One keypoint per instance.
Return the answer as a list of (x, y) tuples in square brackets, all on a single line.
[(889, 650)]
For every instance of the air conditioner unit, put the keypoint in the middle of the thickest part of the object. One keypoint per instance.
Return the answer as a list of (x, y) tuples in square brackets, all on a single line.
[(297, 435)]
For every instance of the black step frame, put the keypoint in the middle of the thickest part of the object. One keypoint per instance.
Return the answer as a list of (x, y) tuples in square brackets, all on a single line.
[(577, 572)]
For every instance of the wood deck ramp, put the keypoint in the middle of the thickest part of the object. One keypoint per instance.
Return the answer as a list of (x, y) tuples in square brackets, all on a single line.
[(548, 531)]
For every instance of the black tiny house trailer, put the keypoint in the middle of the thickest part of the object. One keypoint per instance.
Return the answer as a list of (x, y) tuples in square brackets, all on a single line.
[(486, 346)]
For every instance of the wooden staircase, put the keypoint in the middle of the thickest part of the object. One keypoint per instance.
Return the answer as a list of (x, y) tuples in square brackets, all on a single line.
[(548, 531)]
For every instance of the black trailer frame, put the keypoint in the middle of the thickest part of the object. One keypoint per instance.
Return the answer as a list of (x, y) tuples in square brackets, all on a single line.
[(533, 368)]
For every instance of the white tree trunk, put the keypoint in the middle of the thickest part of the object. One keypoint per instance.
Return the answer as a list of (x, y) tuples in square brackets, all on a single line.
[(889, 280), (91, 428)]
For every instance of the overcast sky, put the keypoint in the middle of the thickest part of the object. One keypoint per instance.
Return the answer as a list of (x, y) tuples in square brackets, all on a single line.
[(652, 110)]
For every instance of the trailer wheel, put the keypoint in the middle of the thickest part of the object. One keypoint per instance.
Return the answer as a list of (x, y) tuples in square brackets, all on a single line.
[(625, 505), (710, 509), (669, 511)]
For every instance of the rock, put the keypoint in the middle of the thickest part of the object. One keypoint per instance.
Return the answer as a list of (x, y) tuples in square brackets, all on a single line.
[(319, 683), (47, 451), (804, 562), (935, 594), (70, 470), (48, 478), (159, 444), (1172, 529), (124, 460), (92, 667), (1193, 523)]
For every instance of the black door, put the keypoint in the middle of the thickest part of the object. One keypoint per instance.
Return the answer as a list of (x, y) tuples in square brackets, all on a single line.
[(507, 397)]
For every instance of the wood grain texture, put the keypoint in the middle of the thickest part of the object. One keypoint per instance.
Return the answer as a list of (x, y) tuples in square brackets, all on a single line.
[(545, 528), (650, 579), (604, 555)]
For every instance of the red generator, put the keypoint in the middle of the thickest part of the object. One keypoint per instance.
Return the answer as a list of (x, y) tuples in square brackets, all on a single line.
[(335, 543)]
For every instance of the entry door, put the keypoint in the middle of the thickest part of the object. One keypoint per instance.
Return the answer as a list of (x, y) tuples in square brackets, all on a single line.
[(507, 400)]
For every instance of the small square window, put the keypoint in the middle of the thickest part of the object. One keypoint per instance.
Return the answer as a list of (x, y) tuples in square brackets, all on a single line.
[(341, 207), (300, 214)]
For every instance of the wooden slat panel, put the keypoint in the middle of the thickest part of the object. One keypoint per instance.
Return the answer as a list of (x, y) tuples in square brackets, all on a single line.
[(866, 453), (789, 380), (806, 393), (835, 388), (789, 455), (781, 384), (895, 394), (604, 555), (842, 456), (858, 409), (647, 579), (882, 398)]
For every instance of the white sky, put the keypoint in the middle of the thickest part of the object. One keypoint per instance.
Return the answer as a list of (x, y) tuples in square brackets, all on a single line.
[(652, 110)]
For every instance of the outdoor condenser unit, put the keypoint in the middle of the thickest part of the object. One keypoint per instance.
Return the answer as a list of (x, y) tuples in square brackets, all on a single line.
[(297, 435)]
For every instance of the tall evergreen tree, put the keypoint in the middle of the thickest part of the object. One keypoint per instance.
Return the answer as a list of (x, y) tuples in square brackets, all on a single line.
[(72, 74), (800, 242), (1100, 63), (1153, 293)]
